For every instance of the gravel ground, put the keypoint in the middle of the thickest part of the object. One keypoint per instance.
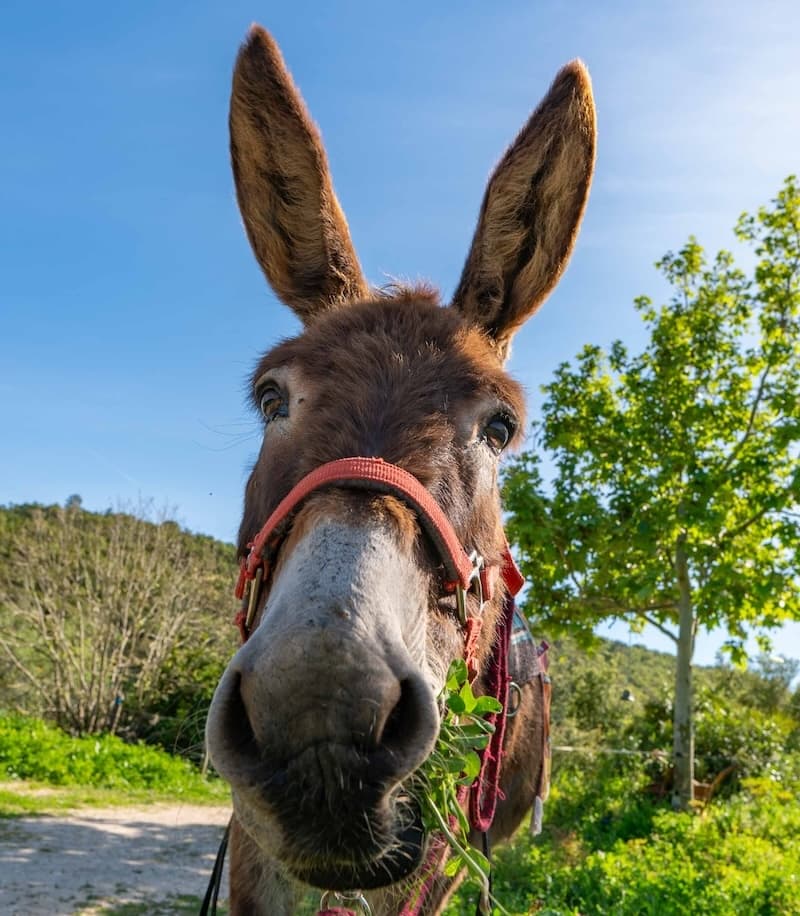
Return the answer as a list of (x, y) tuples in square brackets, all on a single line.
[(96, 860)]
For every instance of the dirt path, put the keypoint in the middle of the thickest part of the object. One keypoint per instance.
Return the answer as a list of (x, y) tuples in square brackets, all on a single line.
[(96, 860)]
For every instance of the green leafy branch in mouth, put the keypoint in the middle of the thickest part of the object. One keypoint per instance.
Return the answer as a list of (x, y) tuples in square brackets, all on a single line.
[(452, 767)]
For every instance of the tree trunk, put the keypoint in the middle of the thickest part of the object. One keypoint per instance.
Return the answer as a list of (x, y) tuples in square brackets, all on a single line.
[(683, 721)]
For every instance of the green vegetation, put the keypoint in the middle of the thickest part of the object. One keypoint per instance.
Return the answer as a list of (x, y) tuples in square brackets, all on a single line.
[(75, 587), (612, 844), (102, 767), (23, 798), (454, 765), (608, 848), (675, 491), (112, 622)]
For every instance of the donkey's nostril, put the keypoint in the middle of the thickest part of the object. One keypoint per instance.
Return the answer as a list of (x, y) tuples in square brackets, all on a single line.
[(240, 739), (407, 719)]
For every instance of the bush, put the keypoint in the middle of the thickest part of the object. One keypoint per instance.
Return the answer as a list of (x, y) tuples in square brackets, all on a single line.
[(754, 740), (130, 594), (726, 732), (175, 718), (607, 848)]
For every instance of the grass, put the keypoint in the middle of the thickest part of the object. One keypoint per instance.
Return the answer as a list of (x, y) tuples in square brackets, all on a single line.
[(451, 769), (47, 771), (22, 797)]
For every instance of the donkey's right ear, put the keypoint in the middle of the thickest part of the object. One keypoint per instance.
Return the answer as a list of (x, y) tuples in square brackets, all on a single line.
[(294, 222), (531, 211)]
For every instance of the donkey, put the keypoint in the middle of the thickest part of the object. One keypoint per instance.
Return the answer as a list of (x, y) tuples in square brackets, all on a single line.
[(331, 703)]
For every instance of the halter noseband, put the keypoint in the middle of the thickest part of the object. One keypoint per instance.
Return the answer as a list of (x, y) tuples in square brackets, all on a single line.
[(462, 572)]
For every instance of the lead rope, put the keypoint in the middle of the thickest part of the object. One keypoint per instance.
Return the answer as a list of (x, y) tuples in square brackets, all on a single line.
[(209, 905), (485, 791)]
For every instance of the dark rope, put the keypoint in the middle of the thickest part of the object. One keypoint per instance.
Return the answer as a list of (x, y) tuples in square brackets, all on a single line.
[(209, 905), (484, 907)]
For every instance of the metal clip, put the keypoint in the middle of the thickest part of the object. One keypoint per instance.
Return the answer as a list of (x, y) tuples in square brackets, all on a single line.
[(355, 900), (252, 601), (474, 585)]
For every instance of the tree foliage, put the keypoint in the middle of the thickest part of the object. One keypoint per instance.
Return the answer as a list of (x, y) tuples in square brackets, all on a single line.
[(675, 473), (95, 607)]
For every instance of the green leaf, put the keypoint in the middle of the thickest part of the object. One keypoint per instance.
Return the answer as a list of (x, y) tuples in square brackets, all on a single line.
[(472, 765), (457, 674), (486, 704), (455, 702), (468, 697)]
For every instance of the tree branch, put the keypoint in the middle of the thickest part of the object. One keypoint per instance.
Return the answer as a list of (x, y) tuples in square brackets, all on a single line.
[(654, 623), (29, 675), (762, 383), (743, 526)]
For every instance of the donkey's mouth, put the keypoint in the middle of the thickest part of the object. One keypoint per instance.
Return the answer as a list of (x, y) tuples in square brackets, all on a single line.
[(403, 855)]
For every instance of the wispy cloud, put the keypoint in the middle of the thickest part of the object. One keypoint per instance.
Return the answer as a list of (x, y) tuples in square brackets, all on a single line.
[(103, 459)]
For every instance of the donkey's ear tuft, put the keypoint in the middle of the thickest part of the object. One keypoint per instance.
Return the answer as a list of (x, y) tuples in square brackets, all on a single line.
[(294, 222), (531, 211)]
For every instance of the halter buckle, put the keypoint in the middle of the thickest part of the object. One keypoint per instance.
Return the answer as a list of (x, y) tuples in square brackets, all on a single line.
[(475, 585), (353, 900), (252, 598)]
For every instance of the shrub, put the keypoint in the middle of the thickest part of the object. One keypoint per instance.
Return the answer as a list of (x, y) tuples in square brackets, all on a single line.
[(624, 855)]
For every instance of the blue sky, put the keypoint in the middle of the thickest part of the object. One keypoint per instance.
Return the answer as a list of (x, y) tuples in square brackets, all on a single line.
[(131, 309)]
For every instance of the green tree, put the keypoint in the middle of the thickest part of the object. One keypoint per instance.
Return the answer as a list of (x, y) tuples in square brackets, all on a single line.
[(675, 472), (774, 686)]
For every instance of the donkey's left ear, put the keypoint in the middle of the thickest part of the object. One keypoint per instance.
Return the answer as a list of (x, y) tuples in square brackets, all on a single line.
[(531, 211)]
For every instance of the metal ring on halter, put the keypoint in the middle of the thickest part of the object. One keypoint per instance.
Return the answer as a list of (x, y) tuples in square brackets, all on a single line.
[(474, 583), (352, 900), (513, 708)]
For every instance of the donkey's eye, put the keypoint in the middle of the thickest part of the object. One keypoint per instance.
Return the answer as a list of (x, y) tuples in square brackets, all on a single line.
[(273, 403), (498, 431)]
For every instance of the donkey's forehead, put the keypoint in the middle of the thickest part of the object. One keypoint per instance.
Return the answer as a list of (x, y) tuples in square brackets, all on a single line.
[(403, 340)]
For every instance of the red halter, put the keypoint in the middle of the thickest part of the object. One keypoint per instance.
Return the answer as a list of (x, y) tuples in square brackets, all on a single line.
[(462, 572)]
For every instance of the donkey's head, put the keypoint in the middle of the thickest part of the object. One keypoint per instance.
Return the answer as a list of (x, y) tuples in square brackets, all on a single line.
[(331, 703)]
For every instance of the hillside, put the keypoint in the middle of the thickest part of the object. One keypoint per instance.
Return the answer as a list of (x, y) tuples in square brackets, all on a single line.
[(112, 621), (104, 563)]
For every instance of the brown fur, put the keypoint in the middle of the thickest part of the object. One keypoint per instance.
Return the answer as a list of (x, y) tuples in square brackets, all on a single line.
[(395, 375)]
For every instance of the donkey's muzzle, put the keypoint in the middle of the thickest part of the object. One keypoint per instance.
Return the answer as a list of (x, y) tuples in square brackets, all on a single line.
[(356, 733), (324, 756)]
